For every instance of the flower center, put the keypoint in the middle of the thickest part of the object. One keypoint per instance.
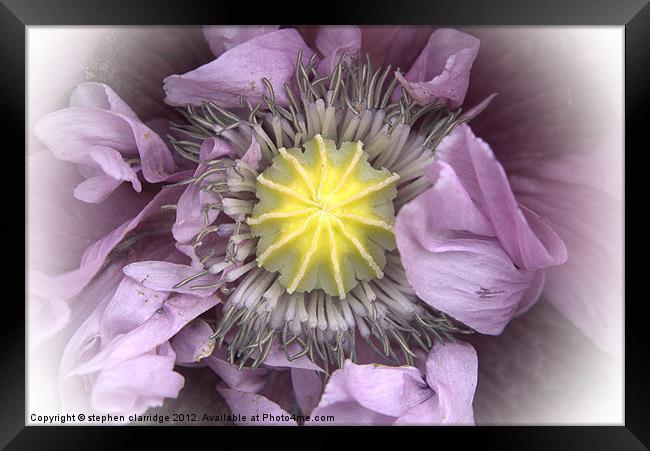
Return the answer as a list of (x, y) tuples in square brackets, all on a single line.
[(324, 217), (310, 259)]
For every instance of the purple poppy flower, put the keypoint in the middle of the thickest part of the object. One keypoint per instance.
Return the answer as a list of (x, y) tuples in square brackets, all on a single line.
[(317, 222)]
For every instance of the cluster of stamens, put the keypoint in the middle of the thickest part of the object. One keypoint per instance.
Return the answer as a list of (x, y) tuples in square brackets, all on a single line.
[(303, 243)]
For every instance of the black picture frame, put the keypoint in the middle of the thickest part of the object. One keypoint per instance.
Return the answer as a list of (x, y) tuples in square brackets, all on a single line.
[(16, 15)]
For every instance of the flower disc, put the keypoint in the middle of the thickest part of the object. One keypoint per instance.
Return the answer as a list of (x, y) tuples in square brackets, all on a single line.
[(324, 217)]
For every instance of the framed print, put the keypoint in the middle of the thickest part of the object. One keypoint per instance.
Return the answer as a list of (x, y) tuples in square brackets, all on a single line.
[(409, 219)]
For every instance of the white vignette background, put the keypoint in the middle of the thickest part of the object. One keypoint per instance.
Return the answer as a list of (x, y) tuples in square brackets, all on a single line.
[(574, 383)]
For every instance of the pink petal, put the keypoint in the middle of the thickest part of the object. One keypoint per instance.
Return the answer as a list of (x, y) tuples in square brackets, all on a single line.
[(250, 405), (528, 238), (162, 276), (193, 342), (334, 42), (442, 69), (135, 385), (239, 72), (221, 38), (452, 260)]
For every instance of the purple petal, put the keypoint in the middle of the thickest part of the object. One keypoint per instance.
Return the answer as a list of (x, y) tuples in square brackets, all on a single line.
[(397, 46), (576, 192), (97, 189), (450, 196), (308, 389), (131, 306), (59, 226), (452, 370), (221, 38), (212, 149), (251, 404), (528, 239), (71, 283), (240, 70), (564, 157), (98, 117), (277, 358), (442, 69), (533, 293), (46, 318), (85, 343), (452, 260), (156, 159), (193, 342), (387, 390), (160, 327), (253, 154), (116, 170), (162, 127), (69, 133), (479, 108), (111, 163), (212, 241), (248, 379), (334, 42), (162, 276), (101, 97), (339, 402), (135, 385), (189, 216)]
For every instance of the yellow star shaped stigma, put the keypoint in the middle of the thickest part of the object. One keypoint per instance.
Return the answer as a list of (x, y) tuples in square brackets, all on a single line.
[(324, 218)]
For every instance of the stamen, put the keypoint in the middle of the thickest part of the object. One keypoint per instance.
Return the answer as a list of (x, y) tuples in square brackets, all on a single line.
[(321, 207)]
